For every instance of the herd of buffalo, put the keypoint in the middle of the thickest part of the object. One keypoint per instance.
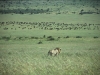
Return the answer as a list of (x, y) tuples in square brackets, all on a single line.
[(13, 25)]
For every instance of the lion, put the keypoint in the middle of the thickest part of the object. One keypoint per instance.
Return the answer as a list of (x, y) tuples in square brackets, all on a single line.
[(54, 52)]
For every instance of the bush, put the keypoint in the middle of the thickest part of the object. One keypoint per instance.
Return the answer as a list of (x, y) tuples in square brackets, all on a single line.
[(58, 38), (39, 42), (95, 37), (36, 38), (78, 36), (32, 37), (44, 36), (50, 38), (67, 36), (6, 38)]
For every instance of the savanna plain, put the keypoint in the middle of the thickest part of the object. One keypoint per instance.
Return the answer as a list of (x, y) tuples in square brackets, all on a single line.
[(24, 48)]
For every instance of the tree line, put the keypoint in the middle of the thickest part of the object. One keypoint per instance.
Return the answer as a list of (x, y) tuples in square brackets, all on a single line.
[(24, 11), (49, 6)]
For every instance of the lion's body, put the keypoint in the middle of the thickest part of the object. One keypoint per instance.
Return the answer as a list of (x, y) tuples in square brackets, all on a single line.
[(54, 52)]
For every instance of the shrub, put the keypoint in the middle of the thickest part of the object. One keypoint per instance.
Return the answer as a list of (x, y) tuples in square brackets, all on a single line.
[(59, 37), (6, 38), (50, 38), (32, 37), (36, 38), (67, 36), (44, 36), (95, 37), (20, 38), (78, 36), (39, 42)]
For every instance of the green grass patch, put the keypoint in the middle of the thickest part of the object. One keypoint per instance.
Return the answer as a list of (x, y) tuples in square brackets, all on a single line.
[(78, 57)]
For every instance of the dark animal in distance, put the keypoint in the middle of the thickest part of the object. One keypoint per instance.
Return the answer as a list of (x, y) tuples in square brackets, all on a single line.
[(54, 52)]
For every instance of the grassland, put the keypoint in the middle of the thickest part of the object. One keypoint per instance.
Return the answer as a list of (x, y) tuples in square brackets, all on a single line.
[(63, 18), (79, 56), (22, 54)]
